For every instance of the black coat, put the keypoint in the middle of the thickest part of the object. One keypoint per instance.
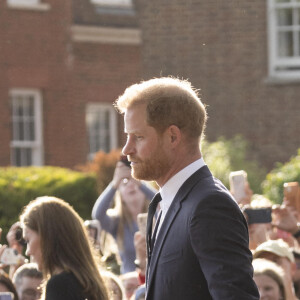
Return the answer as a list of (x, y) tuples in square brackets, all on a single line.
[(201, 251)]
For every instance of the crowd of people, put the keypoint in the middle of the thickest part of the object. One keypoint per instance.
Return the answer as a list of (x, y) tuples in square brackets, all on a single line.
[(200, 241), (69, 259), (275, 247)]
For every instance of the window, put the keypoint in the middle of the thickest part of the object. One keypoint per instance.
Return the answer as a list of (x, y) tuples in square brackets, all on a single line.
[(101, 124), (25, 2), (26, 144), (28, 5), (284, 38), (112, 3)]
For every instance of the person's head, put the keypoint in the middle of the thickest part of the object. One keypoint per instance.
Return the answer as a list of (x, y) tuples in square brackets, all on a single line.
[(94, 230), (27, 280), (279, 252), (131, 195), (115, 286), (269, 280), (259, 232), (57, 240), (164, 121), (129, 198), (6, 285)]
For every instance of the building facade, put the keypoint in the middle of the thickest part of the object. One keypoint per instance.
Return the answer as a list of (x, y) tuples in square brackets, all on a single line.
[(62, 65), (245, 58)]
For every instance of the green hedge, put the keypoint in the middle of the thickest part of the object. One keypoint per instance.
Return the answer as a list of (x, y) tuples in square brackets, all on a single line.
[(287, 172), (226, 155), (18, 186)]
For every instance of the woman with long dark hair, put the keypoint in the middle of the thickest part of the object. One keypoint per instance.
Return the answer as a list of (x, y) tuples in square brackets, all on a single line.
[(58, 242)]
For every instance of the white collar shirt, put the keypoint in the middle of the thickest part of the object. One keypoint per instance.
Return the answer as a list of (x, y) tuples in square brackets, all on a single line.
[(171, 187)]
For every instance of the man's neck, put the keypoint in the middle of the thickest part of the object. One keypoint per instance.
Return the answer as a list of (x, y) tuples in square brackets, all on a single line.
[(178, 164)]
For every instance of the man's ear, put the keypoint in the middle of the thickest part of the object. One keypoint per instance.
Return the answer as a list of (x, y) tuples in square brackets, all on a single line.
[(174, 135)]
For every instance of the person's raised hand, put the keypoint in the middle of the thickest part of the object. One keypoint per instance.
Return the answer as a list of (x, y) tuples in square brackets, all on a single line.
[(285, 218), (121, 172)]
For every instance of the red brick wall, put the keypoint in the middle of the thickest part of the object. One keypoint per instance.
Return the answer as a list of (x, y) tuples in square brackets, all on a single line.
[(221, 46), (36, 51)]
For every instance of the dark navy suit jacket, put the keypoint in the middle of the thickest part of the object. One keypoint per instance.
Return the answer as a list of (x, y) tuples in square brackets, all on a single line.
[(201, 251)]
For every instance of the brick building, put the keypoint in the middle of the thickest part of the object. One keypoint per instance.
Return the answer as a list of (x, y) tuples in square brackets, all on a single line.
[(243, 55), (62, 65), (64, 62)]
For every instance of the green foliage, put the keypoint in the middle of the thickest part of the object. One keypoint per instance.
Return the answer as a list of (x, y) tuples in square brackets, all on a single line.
[(225, 156), (18, 186), (288, 172)]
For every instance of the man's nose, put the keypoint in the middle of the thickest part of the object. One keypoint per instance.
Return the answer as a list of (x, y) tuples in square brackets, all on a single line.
[(129, 148)]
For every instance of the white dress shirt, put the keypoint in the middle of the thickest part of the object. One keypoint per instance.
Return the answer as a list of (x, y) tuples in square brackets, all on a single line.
[(171, 187)]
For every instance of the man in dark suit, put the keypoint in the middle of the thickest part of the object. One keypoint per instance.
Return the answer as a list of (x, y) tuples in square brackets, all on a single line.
[(198, 248)]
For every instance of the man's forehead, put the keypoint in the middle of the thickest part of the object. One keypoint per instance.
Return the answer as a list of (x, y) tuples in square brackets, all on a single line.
[(134, 120)]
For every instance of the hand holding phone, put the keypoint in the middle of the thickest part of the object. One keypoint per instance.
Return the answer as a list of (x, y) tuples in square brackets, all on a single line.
[(237, 181), (10, 256), (291, 192), (258, 215)]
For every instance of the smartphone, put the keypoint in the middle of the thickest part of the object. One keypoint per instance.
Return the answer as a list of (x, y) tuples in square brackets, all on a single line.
[(124, 160), (237, 181), (258, 215), (6, 296), (142, 222), (10, 256), (291, 193)]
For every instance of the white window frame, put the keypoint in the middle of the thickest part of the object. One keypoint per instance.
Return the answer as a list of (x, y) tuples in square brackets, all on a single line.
[(23, 2), (283, 67), (101, 109), (113, 3), (36, 146), (28, 5)]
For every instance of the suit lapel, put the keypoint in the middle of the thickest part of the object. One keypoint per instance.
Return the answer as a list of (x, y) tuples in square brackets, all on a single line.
[(170, 217)]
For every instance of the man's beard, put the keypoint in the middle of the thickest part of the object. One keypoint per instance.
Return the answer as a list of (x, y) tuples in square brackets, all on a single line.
[(151, 168)]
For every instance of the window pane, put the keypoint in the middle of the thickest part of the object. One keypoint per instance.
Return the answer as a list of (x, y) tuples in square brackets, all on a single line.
[(285, 44), (20, 130), (19, 107), (21, 157), (28, 157), (98, 124), (31, 131), (107, 135), (17, 157), (285, 17), (28, 105)]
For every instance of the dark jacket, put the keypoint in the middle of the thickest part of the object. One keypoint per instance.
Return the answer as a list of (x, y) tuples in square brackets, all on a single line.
[(201, 251)]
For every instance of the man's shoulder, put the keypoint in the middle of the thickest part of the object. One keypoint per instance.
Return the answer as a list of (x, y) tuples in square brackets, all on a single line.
[(208, 186)]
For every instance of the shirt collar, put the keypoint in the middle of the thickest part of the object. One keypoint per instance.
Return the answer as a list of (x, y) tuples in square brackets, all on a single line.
[(171, 187)]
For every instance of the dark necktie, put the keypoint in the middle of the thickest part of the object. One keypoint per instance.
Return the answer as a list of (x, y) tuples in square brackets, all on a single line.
[(151, 212)]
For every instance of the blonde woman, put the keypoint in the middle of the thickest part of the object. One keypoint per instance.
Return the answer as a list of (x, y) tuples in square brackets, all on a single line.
[(131, 198), (269, 278), (58, 242)]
